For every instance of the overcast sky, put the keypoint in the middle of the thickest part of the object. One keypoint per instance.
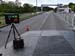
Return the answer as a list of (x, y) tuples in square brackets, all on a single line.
[(45, 1)]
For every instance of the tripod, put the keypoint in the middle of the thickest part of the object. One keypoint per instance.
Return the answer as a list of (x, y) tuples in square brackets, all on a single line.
[(14, 31)]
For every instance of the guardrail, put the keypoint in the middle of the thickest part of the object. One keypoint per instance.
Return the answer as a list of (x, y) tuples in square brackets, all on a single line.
[(69, 18)]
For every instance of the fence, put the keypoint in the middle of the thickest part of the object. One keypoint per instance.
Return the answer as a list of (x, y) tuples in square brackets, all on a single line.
[(69, 18)]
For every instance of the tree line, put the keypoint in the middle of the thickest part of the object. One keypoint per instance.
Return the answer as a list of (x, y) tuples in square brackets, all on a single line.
[(10, 7), (72, 6)]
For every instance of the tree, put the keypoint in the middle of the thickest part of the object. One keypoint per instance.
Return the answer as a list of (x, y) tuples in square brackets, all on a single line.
[(11, 7), (28, 8), (11, 3), (70, 5)]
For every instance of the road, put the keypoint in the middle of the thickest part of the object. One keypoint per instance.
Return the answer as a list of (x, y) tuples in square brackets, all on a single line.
[(45, 21)]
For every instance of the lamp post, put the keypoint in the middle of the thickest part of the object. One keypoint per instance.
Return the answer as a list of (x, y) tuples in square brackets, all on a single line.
[(36, 6)]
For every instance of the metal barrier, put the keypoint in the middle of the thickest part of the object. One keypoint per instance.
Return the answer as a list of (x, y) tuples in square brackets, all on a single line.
[(73, 22), (69, 18)]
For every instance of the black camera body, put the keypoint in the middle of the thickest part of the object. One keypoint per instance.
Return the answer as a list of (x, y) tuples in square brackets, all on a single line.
[(11, 18)]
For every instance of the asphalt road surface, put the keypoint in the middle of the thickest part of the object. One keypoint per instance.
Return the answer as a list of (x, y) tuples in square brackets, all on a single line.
[(45, 21)]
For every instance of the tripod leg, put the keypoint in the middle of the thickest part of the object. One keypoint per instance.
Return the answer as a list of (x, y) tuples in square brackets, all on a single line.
[(17, 31), (8, 37), (14, 32)]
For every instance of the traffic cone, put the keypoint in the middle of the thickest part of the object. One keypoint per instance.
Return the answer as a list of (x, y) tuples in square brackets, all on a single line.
[(27, 28)]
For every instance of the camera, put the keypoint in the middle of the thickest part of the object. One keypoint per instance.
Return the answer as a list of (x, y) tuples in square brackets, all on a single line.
[(11, 18)]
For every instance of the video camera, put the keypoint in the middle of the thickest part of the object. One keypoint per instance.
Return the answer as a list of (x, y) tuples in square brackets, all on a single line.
[(11, 18)]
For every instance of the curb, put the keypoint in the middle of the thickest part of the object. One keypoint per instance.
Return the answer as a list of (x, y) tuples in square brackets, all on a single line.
[(3, 26)]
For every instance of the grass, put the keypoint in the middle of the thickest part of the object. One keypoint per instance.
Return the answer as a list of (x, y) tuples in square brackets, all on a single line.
[(22, 17), (2, 21), (25, 16)]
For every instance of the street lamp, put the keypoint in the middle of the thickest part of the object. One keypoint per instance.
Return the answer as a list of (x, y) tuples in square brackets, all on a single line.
[(36, 6)]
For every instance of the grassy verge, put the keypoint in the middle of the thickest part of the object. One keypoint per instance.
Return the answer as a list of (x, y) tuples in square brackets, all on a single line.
[(26, 16), (2, 21)]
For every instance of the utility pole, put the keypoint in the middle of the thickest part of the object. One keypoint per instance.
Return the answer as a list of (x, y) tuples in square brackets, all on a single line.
[(36, 6)]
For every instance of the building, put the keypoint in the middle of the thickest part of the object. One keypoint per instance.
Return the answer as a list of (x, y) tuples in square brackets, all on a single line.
[(18, 3), (64, 9)]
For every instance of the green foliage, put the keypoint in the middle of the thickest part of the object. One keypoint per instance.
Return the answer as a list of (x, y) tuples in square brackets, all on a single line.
[(72, 6), (11, 7), (27, 8)]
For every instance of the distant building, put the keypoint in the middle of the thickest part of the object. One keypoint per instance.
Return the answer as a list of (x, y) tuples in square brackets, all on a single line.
[(17, 3), (64, 9)]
